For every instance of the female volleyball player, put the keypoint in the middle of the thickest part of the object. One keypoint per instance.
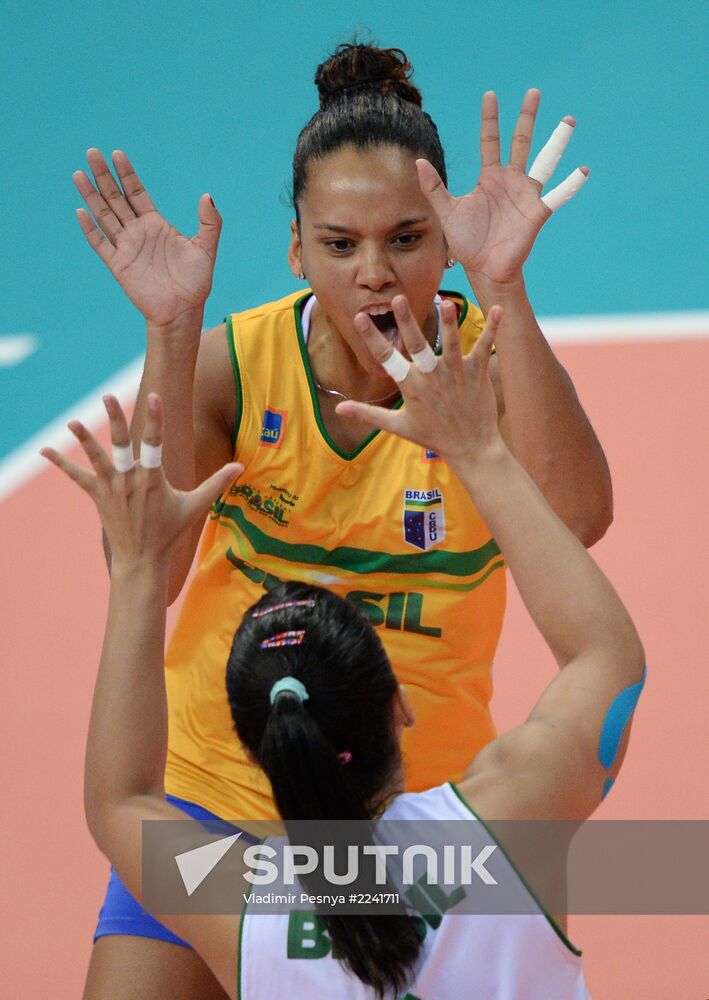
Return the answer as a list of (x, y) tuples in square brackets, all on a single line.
[(316, 704), (374, 518)]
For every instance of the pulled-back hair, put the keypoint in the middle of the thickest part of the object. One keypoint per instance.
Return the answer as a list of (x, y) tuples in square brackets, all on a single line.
[(300, 745), (366, 100)]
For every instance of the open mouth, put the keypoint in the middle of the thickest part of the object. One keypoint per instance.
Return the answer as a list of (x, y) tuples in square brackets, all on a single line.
[(386, 324)]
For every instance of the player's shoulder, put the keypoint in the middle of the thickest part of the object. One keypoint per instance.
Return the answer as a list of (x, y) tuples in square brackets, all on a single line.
[(275, 308)]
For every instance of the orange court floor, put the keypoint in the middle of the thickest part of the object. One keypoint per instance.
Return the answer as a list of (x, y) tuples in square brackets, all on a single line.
[(649, 404)]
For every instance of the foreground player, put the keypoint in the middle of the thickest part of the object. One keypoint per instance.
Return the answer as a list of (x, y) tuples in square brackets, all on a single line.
[(376, 519), (315, 702)]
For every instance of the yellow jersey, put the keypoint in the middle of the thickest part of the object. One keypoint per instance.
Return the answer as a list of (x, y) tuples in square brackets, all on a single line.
[(387, 526)]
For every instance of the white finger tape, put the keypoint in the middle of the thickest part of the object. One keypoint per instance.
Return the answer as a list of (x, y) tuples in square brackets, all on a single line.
[(396, 366), (566, 190), (150, 455), (549, 155), (123, 457), (425, 360)]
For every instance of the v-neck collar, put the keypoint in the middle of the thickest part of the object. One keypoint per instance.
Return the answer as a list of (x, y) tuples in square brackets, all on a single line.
[(298, 326)]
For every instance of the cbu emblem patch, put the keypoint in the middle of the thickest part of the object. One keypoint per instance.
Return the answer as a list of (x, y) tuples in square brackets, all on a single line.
[(424, 518), (274, 427)]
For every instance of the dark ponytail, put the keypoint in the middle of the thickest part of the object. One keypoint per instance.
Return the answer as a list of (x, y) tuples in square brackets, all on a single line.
[(334, 756), (366, 100)]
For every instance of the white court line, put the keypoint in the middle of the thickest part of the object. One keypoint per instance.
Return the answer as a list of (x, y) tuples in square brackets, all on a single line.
[(625, 327), (15, 347), (24, 462)]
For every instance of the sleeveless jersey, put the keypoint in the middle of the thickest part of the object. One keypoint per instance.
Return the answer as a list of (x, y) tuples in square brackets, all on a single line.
[(387, 526), (523, 956)]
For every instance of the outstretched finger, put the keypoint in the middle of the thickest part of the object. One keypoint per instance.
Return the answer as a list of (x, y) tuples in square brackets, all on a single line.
[(120, 435), (102, 213), (121, 445), (136, 195), (110, 191), (489, 131), (410, 331), (210, 226), (450, 337), (548, 157), (384, 352), (102, 465), (434, 189), (565, 191), (201, 498), (151, 442), (82, 477), (372, 416), (479, 357), (524, 130), (95, 238)]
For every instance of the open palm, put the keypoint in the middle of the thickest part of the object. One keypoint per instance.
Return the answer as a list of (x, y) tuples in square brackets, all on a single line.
[(162, 272), (491, 231)]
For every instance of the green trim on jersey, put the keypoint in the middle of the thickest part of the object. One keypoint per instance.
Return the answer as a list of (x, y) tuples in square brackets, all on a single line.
[(360, 560), (237, 381), (347, 455), (572, 948), (464, 307)]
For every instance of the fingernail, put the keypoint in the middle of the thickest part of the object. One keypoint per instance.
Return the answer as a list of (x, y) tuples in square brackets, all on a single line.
[(212, 200), (361, 322)]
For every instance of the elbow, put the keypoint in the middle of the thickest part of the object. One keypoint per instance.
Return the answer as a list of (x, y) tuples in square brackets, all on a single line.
[(593, 527), (592, 516)]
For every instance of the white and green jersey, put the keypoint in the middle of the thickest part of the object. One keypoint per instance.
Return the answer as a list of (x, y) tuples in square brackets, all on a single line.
[(524, 956)]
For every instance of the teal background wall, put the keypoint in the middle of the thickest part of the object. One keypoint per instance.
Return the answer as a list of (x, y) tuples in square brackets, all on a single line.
[(211, 96)]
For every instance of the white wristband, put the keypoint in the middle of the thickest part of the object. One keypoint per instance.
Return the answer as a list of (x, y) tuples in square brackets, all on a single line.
[(150, 455), (396, 366), (548, 157), (123, 457), (425, 360), (558, 196)]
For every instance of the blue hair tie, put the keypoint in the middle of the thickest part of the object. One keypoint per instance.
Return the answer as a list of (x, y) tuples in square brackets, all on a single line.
[(292, 686)]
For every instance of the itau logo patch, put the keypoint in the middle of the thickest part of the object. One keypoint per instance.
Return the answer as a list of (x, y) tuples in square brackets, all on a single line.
[(274, 426), (424, 518)]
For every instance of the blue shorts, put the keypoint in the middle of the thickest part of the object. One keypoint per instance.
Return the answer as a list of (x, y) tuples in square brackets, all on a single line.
[(121, 913)]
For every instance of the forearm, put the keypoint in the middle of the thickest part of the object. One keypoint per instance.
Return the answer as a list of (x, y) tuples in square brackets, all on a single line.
[(570, 600), (170, 363), (127, 741), (545, 424), (169, 371)]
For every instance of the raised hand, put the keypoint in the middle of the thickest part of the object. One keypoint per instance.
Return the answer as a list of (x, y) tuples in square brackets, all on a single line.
[(141, 513), (491, 231), (449, 408), (163, 273)]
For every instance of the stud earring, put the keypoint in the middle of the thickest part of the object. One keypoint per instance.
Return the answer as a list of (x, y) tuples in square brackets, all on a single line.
[(301, 276), (451, 262)]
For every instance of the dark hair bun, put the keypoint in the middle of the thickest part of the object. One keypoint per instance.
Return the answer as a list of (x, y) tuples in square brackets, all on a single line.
[(356, 68)]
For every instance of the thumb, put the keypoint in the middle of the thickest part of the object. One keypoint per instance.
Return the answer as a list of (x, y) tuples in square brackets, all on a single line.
[(210, 225), (201, 498), (435, 190)]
